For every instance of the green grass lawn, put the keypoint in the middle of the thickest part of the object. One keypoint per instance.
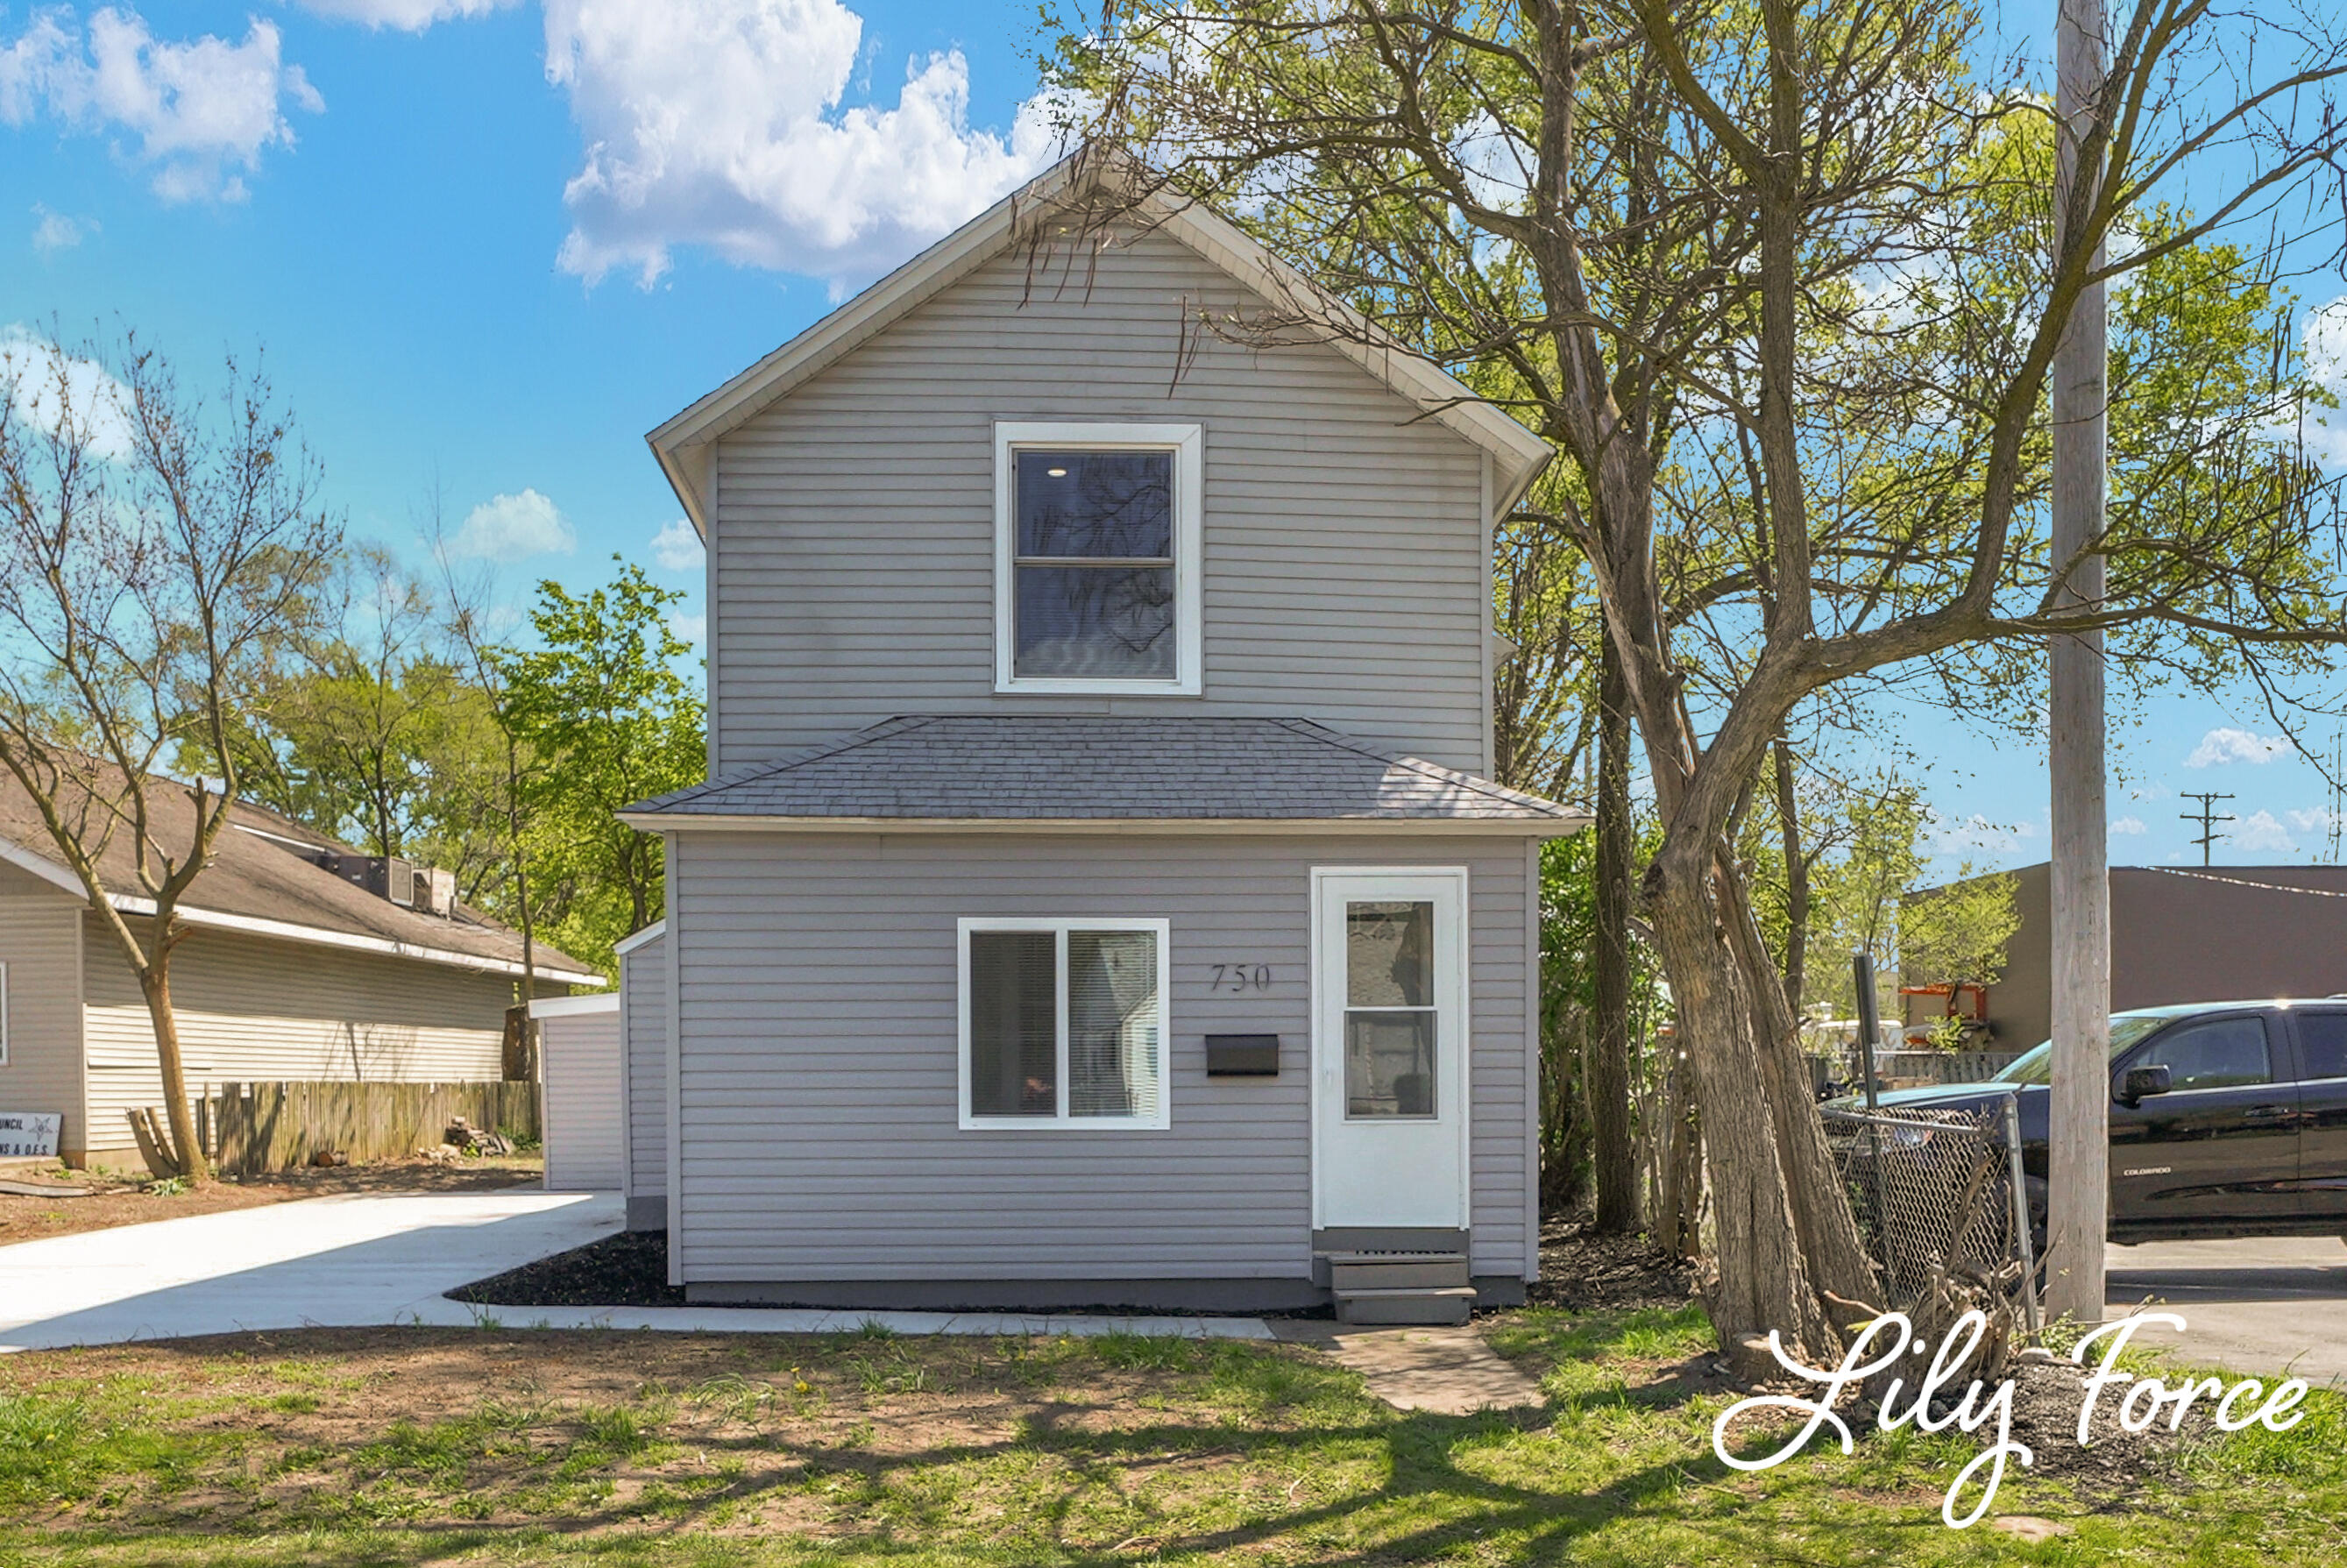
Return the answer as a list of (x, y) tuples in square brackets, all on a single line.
[(524, 1447)]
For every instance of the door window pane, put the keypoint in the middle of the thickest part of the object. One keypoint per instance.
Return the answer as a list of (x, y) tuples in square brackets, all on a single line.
[(2216, 1055), (1389, 1064), (1113, 1042), (1013, 1023), (1390, 954), (1093, 553)]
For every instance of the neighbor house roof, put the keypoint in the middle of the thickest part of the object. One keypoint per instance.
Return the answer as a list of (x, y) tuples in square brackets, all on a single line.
[(260, 883), (686, 443), (1131, 774)]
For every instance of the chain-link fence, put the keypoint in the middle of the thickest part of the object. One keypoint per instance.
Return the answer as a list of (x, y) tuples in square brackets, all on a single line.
[(1934, 1192)]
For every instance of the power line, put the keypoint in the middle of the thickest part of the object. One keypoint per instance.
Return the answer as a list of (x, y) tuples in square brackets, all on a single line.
[(2208, 816)]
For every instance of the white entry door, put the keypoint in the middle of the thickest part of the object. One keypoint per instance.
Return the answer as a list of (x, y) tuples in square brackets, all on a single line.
[(1389, 1048)]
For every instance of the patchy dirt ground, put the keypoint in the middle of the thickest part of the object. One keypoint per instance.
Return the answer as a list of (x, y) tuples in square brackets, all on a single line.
[(339, 1427), (111, 1198)]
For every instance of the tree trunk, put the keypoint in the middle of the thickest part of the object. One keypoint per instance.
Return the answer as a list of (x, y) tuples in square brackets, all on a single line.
[(187, 1150), (1679, 1217), (1608, 1070), (1796, 886), (1821, 1215), (1761, 1280)]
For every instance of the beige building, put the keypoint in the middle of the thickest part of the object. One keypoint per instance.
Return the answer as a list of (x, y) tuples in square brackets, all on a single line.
[(297, 964)]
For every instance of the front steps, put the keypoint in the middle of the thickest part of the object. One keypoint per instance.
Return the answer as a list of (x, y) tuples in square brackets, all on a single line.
[(1401, 1287)]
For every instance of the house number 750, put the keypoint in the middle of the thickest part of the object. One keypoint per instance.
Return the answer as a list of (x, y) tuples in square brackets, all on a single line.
[(1242, 976)]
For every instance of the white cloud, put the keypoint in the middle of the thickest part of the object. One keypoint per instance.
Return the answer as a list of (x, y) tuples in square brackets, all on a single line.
[(199, 111), (56, 232), (2324, 340), (2260, 831), (676, 547), (31, 374), (2318, 820), (2220, 746), (2130, 825), (692, 628), (406, 15), (1975, 834), (2155, 790), (720, 123), (508, 528)]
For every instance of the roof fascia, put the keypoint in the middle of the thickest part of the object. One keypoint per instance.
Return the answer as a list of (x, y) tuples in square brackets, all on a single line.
[(1450, 402), (40, 866), (1490, 827), (685, 444), (318, 936), (571, 1007), (652, 932)]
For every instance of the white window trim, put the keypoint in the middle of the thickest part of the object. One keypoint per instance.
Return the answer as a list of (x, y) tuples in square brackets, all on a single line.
[(1059, 927), (1187, 443)]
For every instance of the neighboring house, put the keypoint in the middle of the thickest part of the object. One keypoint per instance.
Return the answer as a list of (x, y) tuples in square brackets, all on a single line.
[(2178, 934), (1095, 900), (292, 967)]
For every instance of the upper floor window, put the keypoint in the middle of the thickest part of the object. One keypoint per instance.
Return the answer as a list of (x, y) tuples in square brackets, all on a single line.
[(1097, 558)]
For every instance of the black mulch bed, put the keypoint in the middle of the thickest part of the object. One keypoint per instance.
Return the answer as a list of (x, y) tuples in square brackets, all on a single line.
[(1578, 1272), (1582, 1271), (630, 1269)]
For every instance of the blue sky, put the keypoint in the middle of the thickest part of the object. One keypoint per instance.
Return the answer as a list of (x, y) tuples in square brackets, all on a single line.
[(488, 244)]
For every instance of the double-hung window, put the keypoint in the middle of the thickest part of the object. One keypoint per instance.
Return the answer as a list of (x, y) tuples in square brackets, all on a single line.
[(1097, 558), (1063, 1023)]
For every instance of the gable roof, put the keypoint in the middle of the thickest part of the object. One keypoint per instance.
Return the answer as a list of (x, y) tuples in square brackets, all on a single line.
[(260, 883), (1114, 773), (685, 444)]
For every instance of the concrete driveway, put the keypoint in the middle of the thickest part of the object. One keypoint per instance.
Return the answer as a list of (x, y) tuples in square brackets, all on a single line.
[(333, 1262), (2258, 1305), (371, 1260)]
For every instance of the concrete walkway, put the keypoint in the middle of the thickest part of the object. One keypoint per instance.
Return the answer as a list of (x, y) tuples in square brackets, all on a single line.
[(1448, 1371), (373, 1260), (2260, 1305)]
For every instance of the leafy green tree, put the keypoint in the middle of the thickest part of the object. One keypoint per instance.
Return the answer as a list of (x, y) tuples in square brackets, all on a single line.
[(1776, 282), (601, 705)]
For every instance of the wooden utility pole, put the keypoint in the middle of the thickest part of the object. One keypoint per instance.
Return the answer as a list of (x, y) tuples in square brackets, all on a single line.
[(2208, 816), (2078, 1172)]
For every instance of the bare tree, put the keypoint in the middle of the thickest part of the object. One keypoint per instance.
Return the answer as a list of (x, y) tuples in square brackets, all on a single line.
[(1778, 284), (154, 550)]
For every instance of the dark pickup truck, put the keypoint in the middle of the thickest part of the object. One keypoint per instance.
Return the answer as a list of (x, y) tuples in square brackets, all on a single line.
[(2227, 1119)]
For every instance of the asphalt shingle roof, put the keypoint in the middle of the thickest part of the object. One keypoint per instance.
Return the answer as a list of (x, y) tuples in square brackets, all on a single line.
[(1056, 768), (255, 873)]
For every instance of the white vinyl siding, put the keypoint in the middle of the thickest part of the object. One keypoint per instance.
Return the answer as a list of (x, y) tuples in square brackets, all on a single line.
[(853, 568), (818, 1077), (643, 1000), (581, 1100), (256, 1010)]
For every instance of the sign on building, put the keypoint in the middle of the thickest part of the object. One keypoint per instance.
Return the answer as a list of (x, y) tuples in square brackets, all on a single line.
[(25, 1134)]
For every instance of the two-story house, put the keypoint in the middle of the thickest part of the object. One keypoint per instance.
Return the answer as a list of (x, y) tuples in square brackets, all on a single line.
[(1097, 900)]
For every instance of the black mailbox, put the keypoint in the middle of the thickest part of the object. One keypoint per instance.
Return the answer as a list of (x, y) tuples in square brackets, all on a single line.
[(1242, 1056)]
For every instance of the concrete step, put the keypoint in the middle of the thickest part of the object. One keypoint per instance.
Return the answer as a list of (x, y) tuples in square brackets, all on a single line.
[(1397, 1270), (1454, 1303)]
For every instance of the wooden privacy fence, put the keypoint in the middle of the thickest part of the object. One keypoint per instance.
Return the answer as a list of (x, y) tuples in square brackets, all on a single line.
[(1917, 1068), (252, 1127)]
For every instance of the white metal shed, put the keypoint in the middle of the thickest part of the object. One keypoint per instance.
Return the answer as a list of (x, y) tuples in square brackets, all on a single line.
[(582, 1097)]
